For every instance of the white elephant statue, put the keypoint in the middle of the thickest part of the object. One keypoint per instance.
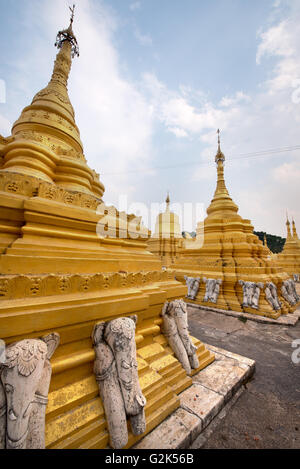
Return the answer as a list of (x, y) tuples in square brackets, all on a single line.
[(24, 385), (271, 296), (193, 284), (212, 289), (251, 293), (286, 293), (176, 330), (116, 373)]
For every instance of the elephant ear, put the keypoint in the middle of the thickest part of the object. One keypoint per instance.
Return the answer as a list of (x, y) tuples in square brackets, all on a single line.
[(134, 318), (165, 308), (52, 342), (98, 333)]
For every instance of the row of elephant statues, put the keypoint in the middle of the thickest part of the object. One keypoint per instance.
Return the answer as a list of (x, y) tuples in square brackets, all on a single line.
[(25, 376), (251, 292)]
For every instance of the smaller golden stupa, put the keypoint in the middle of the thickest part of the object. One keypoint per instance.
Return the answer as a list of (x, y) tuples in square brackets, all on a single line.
[(167, 237), (289, 258), (235, 269)]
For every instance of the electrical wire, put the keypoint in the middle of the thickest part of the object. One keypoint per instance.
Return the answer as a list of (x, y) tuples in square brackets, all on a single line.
[(240, 156)]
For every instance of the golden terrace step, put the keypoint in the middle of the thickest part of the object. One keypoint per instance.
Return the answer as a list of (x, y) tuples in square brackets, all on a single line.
[(94, 430), (205, 362), (70, 396), (155, 419), (164, 364), (151, 352), (99, 441), (67, 424), (156, 411)]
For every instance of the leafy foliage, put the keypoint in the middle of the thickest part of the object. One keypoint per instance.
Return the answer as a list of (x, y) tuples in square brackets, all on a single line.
[(275, 243)]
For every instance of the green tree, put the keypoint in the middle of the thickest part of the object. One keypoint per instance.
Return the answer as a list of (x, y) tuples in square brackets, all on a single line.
[(275, 243)]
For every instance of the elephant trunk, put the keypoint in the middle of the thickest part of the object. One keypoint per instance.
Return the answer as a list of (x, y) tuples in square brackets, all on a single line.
[(2, 416)]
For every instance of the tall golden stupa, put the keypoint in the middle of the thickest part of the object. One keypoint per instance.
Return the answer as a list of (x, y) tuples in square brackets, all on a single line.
[(229, 251), (167, 237), (289, 258), (63, 270)]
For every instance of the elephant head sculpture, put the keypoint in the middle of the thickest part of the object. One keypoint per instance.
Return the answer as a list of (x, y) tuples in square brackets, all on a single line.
[(212, 289), (272, 296), (176, 330), (25, 381), (193, 284), (116, 373)]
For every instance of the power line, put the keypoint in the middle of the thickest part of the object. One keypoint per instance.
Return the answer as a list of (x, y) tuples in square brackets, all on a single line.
[(240, 156)]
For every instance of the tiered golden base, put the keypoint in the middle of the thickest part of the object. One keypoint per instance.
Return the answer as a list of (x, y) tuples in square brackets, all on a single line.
[(75, 416)]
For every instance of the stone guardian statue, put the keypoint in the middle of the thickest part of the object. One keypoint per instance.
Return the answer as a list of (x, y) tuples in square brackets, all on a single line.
[(176, 330), (116, 373), (24, 386)]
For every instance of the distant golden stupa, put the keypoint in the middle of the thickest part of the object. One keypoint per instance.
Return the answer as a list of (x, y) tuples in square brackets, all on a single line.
[(289, 258), (167, 237), (234, 267), (60, 274)]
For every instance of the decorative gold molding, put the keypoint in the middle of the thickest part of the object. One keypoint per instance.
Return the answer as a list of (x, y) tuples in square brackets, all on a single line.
[(15, 183), (58, 194), (14, 287)]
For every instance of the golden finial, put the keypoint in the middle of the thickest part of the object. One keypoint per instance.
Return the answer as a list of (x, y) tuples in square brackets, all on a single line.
[(287, 218), (68, 35), (72, 10), (168, 199), (219, 155)]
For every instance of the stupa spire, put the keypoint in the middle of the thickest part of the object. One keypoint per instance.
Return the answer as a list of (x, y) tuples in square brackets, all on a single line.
[(68, 35), (288, 227), (295, 234), (168, 202), (220, 158), (222, 204)]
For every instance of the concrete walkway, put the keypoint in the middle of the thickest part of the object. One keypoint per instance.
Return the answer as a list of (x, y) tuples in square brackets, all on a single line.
[(212, 393), (267, 413)]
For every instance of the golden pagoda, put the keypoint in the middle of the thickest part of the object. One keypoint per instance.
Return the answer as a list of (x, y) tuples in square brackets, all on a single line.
[(229, 252), (60, 274), (289, 258), (167, 237)]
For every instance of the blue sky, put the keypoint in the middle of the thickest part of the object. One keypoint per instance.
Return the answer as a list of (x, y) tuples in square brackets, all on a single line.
[(154, 81)]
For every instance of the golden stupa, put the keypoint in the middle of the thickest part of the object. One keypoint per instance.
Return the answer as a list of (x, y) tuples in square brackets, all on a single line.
[(59, 275), (229, 251), (167, 237), (289, 258)]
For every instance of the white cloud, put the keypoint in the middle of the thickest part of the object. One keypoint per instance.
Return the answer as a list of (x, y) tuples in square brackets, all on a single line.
[(277, 40), (288, 173), (238, 97), (179, 110), (178, 132), (5, 126), (135, 6), (144, 39)]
